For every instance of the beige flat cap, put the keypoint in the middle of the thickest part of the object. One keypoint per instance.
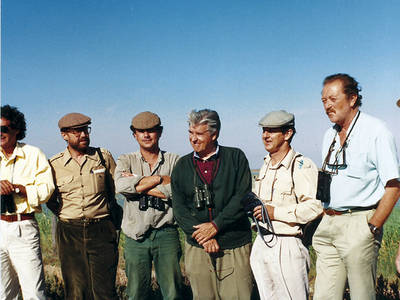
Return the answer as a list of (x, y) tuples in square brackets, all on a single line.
[(145, 120), (276, 119), (74, 120)]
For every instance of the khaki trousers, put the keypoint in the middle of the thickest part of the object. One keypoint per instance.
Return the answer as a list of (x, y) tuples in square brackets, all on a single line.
[(280, 270), (220, 276), (346, 250)]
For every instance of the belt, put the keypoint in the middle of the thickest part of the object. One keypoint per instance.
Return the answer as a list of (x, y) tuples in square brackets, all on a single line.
[(84, 220), (17, 217), (332, 212)]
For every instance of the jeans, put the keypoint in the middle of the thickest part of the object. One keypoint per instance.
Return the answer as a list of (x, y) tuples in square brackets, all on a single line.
[(162, 247), (89, 258)]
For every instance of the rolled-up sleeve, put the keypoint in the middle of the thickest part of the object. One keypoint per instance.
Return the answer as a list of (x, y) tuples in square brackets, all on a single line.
[(125, 185), (41, 186)]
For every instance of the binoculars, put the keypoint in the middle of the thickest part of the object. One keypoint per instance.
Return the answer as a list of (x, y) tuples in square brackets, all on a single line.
[(146, 201), (7, 204), (202, 197)]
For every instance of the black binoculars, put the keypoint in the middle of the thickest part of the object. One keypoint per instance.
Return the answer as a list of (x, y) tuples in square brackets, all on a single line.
[(146, 201), (7, 204), (202, 197)]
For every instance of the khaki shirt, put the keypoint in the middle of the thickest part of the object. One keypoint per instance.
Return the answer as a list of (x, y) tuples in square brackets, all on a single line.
[(135, 223), (29, 167), (81, 190), (274, 186)]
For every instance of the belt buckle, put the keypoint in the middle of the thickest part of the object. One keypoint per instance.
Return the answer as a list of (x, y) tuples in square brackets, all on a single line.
[(85, 220)]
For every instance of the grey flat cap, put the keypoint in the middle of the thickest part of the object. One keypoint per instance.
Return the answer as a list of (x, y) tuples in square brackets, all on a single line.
[(145, 120), (276, 119), (74, 120)]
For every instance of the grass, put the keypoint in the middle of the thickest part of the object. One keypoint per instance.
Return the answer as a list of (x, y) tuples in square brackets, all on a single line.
[(387, 283)]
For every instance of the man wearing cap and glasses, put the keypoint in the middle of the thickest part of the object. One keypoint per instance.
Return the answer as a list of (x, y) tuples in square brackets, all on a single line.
[(26, 182), (287, 185), (360, 162), (86, 238), (143, 177)]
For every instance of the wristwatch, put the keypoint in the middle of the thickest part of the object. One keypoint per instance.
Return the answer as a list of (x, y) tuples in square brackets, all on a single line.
[(17, 190), (374, 230)]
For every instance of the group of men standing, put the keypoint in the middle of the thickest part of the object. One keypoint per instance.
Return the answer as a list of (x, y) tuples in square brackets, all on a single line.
[(202, 193)]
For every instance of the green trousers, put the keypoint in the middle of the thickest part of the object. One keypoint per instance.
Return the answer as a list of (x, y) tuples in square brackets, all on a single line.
[(162, 247)]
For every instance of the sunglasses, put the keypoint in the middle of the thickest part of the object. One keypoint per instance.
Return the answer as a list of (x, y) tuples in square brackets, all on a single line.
[(78, 131), (5, 129)]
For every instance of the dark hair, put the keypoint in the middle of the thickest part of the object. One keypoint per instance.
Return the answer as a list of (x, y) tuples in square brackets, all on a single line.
[(350, 85), (16, 118)]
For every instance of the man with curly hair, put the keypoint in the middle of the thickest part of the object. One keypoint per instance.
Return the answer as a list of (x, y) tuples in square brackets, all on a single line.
[(26, 182)]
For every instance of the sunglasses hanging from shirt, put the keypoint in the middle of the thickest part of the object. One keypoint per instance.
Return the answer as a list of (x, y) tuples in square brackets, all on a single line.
[(331, 169)]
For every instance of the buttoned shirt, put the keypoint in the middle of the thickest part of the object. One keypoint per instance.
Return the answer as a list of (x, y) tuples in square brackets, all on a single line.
[(29, 167), (135, 222), (82, 189), (291, 194), (371, 159)]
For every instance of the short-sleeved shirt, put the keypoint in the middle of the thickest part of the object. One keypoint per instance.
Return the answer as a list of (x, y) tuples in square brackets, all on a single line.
[(82, 189), (371, 159), (29, 167), (135, 222), (292, 194)]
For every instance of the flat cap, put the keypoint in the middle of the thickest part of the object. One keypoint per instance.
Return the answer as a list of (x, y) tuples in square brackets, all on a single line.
[(74, 120), (398, 103), (276, 119), (145, 120)]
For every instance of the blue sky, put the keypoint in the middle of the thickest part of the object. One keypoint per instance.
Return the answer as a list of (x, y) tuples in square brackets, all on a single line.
[(112, 59)]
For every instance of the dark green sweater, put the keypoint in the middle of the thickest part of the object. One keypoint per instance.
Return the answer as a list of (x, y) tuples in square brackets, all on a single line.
[(231, 184)]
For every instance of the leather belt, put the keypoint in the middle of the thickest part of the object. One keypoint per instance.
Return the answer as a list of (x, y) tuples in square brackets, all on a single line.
[(84, 220), (17, 217), (333, 212)]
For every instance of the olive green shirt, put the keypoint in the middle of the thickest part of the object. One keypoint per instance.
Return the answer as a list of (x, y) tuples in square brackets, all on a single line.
[(81, 189)]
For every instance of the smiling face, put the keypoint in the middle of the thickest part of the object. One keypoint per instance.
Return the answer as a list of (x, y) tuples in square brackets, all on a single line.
[(338, 106), (274, 139), (77, 138), (202, 140), (8, 135), (148, 138)]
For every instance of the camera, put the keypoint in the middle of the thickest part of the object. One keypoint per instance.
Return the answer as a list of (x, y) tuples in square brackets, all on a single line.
[(7, 204), (202, 197), (324, 187), (249, 202)]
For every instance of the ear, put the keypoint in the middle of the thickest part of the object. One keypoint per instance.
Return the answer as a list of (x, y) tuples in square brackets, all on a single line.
[(64, 135), (288, 134), (214, 136), (353, 100)]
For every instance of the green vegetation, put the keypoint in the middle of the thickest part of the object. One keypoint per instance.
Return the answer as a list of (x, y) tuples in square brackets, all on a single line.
[(387, 283)]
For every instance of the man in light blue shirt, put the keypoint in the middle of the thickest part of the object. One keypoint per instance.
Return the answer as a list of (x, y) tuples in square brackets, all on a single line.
[(359, 154)]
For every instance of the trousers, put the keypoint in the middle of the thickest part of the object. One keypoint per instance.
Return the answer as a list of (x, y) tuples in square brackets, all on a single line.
[(89, 258), (219, 276), (281, 268), (346, 251), (21, 260), (162, 247)]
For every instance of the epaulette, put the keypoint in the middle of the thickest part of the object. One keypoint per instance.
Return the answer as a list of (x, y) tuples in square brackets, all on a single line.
[(57, 156)]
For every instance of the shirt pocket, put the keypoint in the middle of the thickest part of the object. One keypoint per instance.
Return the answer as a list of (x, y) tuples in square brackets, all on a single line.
[(358, 166), (64, 184)]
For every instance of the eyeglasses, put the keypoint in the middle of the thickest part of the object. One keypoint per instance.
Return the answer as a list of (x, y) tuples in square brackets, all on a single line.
[(338, 164), (78, 131), (5, 129)]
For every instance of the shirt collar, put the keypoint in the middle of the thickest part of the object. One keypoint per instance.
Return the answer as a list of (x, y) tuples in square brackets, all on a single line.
[(90, 154), (212, 157), (18, 152), (286, 161)]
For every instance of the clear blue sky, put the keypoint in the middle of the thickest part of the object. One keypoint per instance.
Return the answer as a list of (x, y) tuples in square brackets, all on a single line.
[(112, 59)]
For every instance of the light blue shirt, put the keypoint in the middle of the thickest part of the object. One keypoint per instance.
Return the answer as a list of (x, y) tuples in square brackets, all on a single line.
[(371, 159)]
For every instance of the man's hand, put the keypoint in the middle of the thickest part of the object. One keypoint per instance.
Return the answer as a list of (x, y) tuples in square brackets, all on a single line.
[(211, 246), (257, 212), (126, 174), (6, 187), (204, 232)]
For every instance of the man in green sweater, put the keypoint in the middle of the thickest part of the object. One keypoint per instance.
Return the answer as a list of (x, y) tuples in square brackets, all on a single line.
[(207, 186)]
